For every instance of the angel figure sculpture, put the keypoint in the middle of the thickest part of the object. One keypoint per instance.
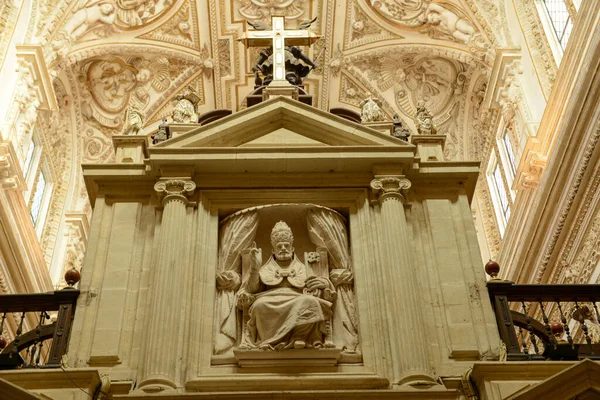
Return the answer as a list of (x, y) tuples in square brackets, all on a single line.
[(370, 110)]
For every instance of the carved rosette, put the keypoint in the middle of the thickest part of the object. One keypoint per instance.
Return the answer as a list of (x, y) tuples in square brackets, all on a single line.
[(175, 190), (390, 187)]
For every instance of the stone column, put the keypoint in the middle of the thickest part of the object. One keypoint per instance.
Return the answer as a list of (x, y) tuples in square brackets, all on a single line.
[(410, 361), (160, 364)]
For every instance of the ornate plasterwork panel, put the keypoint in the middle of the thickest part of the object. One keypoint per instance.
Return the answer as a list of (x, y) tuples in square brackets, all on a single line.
[(263, 9), (180, 29), (56, 132), (361, 29), (109, 84), (406, 13), (542, 56)]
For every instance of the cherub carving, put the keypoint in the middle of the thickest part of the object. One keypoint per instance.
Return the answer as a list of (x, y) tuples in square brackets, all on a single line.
[(450, 23)]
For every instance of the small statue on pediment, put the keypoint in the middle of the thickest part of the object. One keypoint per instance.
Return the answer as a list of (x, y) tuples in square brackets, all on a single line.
[(185, 111), (400, 131), (288, 307), (370, 110), (425, 124), (134, 121), (162, 134)]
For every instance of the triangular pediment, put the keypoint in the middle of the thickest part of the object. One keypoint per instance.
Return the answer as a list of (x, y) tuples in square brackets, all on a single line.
[(281, 122), (579, 382)]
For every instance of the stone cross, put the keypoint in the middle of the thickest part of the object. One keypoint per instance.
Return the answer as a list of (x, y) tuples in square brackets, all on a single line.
[(279, 38)]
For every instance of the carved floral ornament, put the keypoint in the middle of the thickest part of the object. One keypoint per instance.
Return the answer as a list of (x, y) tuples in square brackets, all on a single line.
[(263, 9), (175, 189), (390, 187)]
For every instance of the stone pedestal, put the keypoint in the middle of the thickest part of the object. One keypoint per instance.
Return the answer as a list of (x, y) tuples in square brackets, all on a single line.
[(289, 358), (130, 149), (384, 127), (429, 147), (287, 91)]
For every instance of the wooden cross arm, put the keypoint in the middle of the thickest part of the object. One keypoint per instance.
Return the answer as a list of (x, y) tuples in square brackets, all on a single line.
[(289, 41)]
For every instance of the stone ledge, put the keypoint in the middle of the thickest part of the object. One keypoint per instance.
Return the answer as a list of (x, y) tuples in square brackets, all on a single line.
[(385, 394), (288, 381), (287, 358)]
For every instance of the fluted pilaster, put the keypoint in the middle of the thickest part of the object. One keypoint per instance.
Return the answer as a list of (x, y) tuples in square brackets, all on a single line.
[(165, 322), (407, 330)]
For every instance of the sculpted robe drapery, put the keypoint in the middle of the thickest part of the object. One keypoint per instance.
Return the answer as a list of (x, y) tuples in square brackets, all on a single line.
[(281, 313)]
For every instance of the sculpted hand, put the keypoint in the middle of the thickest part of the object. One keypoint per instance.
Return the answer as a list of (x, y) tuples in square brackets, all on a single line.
[(245, 299), (254, 252), (315, 282)]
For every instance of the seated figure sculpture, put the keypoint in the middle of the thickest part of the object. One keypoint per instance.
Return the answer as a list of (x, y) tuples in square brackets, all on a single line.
[(288, 308)]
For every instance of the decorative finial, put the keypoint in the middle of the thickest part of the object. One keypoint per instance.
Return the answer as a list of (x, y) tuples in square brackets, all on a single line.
[(72, 276), (557, 329), (492, 269)]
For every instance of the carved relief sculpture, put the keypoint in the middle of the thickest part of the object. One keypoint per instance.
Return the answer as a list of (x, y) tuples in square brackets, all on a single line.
[(134, 121), (285, 303), (425, 125), (450, 23), (94, 14), (370, 110), (288, 307), (185, 110)]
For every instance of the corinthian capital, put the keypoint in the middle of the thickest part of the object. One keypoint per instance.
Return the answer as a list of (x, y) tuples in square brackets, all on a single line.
[(390, 187), (175, 190)]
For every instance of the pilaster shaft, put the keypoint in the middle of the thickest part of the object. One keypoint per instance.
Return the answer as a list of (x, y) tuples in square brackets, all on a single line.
[(407, 329), (165, 322)]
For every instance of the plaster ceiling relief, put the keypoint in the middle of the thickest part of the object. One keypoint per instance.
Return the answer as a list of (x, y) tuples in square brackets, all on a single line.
[(405, 13), (443, 21), (180, 29), (96, 19), (413, 77), (109, 84), (360, 29), (263, 9)]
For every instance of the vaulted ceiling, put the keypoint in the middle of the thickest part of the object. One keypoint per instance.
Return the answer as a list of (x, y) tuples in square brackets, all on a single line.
[(108, 54)]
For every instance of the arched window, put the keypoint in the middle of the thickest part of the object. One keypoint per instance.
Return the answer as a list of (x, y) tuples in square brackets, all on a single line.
[(557, 19), (561, 20)]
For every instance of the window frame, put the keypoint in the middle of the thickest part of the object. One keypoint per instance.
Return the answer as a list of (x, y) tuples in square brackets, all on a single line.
[(44, 170), (502, 213), (549, 27)]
